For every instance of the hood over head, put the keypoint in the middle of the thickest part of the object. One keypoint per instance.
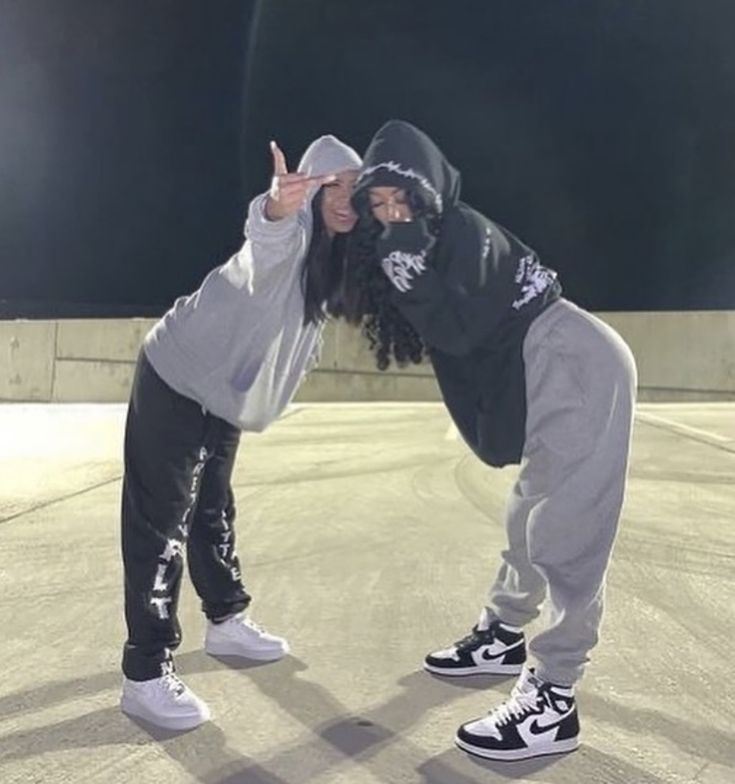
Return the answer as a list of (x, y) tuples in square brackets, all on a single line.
[(328, 155), (402, 156), (325, 155)]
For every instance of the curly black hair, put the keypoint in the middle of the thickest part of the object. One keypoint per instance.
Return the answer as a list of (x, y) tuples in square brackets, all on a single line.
[(367, 290)]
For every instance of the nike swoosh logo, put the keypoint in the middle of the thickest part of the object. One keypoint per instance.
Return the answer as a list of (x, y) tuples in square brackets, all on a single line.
[(539, 729), (490, 656)]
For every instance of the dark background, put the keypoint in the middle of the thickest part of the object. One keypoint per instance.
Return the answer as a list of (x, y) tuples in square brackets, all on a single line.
[(133, 133)]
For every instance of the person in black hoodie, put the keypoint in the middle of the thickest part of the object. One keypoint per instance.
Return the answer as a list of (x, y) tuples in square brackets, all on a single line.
[(527, 377)]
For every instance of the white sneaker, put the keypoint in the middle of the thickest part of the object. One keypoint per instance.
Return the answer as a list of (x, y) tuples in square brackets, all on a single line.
[(166, 702), (239, 636)]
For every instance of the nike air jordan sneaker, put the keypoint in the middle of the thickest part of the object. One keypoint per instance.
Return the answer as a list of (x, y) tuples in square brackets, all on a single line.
[(498, 650), (538, 719)]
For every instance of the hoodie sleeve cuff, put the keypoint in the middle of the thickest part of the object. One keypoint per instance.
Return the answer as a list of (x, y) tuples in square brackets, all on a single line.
[(260, 229)]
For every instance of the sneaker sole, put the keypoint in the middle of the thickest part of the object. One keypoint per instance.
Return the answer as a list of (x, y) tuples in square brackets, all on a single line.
[(180, 723), (489, 669), (512, 755), (228, 649)]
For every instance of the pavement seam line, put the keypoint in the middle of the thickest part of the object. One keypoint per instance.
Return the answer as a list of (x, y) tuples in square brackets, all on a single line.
[(59, 499), (692, 433), (684, 428)]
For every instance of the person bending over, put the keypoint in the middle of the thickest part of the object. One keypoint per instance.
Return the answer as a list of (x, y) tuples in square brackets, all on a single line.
[(528, 377), (227, 358)]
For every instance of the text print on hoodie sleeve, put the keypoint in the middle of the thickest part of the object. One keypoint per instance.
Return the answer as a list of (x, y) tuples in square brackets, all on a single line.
[(456, 291)]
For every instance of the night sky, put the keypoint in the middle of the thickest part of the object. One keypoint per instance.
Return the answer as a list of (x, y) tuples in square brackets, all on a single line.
[(133, 133)]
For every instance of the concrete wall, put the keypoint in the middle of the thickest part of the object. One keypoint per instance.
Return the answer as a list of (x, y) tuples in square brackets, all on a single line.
[(681, 356)]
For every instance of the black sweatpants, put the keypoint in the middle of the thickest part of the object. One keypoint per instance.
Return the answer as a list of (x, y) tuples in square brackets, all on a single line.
[(176, 494)]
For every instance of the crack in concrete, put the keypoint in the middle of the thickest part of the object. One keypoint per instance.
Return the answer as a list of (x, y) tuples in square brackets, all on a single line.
[(59, 499)]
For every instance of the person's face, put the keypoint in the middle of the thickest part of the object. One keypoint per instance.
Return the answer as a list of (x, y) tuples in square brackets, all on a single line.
[(337, 212), (390, 205)]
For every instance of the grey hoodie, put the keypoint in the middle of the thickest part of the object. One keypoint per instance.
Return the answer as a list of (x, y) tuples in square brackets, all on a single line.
[(238, 345)]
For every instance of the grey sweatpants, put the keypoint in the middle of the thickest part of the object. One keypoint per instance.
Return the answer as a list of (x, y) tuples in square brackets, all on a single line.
[(563, 512)]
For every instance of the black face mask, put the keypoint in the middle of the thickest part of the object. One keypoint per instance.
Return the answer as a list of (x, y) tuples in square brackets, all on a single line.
[(408, 236)]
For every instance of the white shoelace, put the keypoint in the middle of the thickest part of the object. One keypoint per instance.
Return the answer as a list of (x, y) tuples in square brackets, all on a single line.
[(251, 623), (519, 704), (173, 683)]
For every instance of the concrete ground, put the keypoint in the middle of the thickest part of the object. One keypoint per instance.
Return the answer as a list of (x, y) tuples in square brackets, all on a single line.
[(368, 535)]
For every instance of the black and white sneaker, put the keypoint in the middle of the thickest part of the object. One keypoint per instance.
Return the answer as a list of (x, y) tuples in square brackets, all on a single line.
[(538, 719), (498, 650)]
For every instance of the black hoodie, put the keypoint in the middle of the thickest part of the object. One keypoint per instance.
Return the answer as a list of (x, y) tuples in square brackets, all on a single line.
[(471, 293)]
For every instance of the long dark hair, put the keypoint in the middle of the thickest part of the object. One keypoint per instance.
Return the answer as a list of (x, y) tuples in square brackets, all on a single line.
[(323, 269), (367, 290)]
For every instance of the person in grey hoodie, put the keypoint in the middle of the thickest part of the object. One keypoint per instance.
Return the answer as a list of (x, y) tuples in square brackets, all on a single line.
[(227, 358)]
